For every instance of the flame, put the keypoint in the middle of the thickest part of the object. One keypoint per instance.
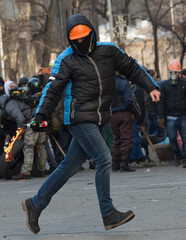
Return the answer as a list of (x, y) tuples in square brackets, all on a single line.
[(8, 150)]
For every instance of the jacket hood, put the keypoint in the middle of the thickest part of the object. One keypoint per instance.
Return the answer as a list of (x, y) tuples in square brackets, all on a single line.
[(76, 20), (7, 86)]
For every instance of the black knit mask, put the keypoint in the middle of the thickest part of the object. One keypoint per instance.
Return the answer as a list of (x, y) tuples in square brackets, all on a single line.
[(84, 47)]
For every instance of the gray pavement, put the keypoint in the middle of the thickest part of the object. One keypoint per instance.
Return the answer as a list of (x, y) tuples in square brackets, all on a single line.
[(157, 195)]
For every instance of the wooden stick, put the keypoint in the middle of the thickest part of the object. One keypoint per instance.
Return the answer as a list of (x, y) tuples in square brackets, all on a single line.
[(58, 145), (147, 137)]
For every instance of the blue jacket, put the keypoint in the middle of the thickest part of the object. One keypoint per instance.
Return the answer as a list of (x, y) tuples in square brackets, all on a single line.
[(122, 96)]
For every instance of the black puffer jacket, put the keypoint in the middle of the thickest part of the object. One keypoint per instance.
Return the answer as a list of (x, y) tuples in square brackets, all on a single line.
[(89, 81)]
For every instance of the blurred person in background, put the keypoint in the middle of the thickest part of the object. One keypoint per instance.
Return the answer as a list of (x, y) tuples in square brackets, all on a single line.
[(2, 86), (121, 123), (137, 158), (22, 113), (183, 73), (22, 82), (2, 136), (172, 110), (8, 125), (152, 111)]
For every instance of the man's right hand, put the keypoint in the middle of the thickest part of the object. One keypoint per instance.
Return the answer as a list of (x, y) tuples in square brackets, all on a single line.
[(39, 127), (161, 122), (39, 124), (34, 125), (40, 117)]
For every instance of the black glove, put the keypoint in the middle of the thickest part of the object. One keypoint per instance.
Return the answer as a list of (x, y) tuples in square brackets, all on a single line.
[(40, 117), (39, 124), (34, 125), (39, 127)]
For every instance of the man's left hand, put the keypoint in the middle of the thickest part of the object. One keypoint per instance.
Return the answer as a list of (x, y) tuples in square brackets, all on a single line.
[(155, 95)]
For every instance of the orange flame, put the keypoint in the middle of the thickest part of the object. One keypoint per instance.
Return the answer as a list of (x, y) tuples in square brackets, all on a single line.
[(8, 150)]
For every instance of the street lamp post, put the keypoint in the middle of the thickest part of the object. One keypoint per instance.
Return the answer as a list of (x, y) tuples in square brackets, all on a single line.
[(109, 14), (173, 27)]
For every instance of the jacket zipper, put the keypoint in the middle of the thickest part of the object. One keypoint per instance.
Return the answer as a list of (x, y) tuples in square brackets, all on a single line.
[(100, 92), (73, 108)]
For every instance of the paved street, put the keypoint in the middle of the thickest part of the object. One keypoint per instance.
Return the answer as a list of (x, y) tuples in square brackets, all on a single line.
[(157, 196)]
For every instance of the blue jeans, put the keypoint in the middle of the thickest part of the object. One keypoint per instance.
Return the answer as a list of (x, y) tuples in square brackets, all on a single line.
[(154, 128), (87, 141), (173, 125), (136, 151)]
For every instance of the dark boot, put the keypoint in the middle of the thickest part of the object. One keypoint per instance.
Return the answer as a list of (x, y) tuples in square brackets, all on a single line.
[(21, 176), (117, 218), (50, 170), (37, 173), (127, 169), (124, 164), (91, 165), (177, 161), (32, 215), (184, 164)]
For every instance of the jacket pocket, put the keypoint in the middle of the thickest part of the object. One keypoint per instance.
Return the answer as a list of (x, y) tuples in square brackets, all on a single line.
[(73, 107)]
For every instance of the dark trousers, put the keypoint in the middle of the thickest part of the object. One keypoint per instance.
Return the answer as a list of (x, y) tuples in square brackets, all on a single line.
[(122, 127), (175, 124)]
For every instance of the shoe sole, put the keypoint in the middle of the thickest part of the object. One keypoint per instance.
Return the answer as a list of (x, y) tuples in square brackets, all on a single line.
[(27, 222), (127, 219)]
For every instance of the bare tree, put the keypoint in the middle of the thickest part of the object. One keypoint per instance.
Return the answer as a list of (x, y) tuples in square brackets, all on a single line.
[(177, 27), (88, 8), (28, 40), (156, 11), (45, 34)]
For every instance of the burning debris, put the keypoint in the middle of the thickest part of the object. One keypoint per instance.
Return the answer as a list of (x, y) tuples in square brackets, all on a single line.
[(8, 150)]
